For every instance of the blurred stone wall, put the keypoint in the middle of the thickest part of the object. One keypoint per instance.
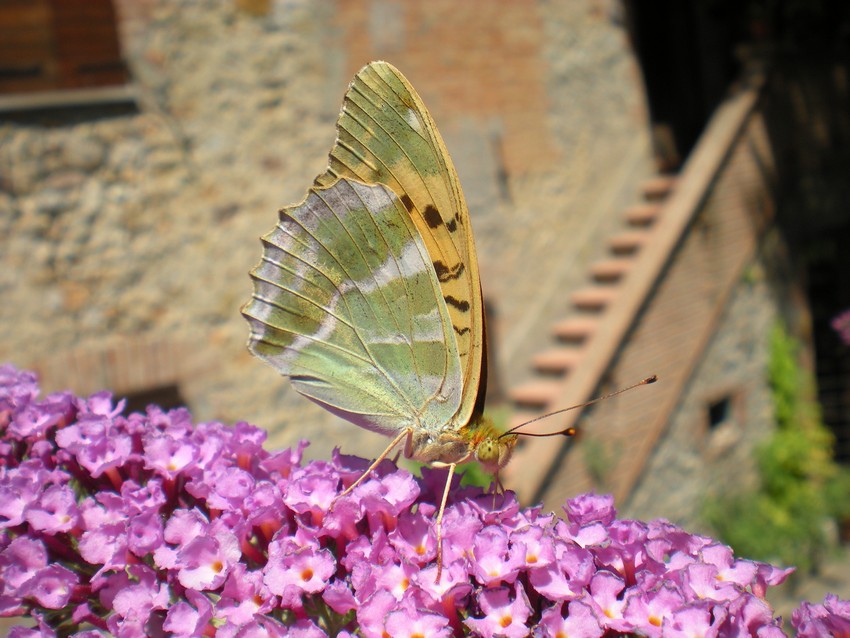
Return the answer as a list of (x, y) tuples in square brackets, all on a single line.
[(125, 241), (701, 458)]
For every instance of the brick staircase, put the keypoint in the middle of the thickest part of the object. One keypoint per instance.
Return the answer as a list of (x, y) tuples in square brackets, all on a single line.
[(570, 335), (650, 306)]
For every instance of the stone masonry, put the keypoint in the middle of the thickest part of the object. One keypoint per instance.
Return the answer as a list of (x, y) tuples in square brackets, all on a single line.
[(128, 237)]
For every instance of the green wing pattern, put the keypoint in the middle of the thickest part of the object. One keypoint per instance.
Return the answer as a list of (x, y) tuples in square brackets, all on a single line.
[(347, 304)]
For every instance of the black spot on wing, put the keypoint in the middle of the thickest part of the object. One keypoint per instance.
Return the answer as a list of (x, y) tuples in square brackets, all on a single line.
[(432, 216), (408, 203), (452, 226), (444, 273), (460, 304), (460, 331)]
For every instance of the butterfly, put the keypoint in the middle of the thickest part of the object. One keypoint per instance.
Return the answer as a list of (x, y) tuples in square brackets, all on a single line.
[(368, 296)]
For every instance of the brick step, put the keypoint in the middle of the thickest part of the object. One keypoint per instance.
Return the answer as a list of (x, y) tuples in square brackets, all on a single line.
[(642, 215), (657, 188), (557, 360), (535, 394), (572, 332), (628, 242), (611, 270), (575, 329), (594, 298)]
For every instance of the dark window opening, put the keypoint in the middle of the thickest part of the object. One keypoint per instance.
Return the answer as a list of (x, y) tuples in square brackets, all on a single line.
[(719, 412), (17, 73), (167, 397), (49, 45)]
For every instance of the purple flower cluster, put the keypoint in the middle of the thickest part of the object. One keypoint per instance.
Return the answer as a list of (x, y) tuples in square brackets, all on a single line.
[(152, 525)]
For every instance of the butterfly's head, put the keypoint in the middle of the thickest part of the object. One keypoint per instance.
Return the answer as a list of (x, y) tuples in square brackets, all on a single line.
[(492, 449)]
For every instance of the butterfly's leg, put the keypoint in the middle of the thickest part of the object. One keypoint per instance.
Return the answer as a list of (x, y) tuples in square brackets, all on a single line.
[(439, 526), (496, 485), (404, 433)]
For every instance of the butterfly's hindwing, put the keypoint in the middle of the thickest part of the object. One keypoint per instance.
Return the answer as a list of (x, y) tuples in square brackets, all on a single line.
[(347, 304)]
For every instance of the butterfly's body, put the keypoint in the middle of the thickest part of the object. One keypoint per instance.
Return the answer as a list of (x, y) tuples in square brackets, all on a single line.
[(368, 296), (479, 441)]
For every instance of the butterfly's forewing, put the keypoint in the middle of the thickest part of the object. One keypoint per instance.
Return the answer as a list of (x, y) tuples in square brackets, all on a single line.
[(346, 304), (386, 135)]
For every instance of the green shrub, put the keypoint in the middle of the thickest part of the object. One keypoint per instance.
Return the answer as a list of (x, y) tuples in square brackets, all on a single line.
[(801, 488)]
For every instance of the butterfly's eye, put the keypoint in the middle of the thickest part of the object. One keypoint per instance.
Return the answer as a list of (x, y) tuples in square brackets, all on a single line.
[(487, 451)]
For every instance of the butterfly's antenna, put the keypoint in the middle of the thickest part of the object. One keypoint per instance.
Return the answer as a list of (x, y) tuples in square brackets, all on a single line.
[(570, 431)]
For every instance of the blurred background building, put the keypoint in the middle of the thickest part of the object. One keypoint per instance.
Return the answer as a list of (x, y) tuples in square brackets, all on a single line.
[(655, 188)]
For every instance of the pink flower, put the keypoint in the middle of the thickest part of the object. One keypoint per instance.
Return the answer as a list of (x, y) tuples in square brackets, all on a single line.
[(169, 455), (453, 585), (701, 582), (104, 541), (135, 601), (580, 621), (568, 576), (750, 614), (305, 628), (410, 622), (385, 500), (691, 622), (51, 586), (311, 493), (841, 324), (605, 600), (97, 442), (207, 560), (504, 616), (590, 508), (244, 596), (373, 612), (494, 560), (460, 528), (189, 618), (145, 533), (648, 609), (35, 421), (538, 547), (394, 578), (414, 538), (293, 571), (20, 561), (831, 618)]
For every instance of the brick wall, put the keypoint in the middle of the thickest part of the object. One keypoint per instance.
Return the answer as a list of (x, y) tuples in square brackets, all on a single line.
[(466, 82)]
